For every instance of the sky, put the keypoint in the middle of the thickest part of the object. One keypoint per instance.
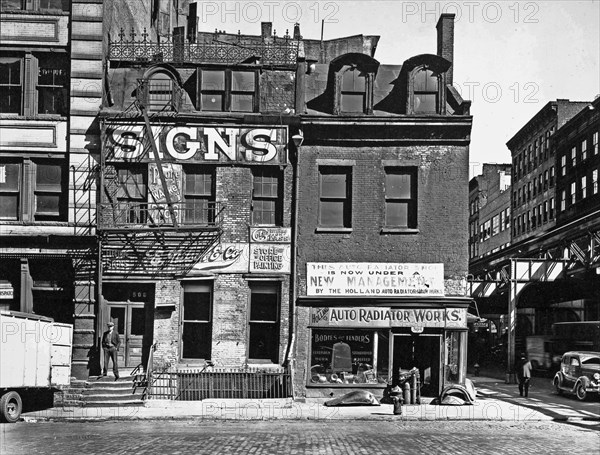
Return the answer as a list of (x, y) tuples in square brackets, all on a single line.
[(510, 57)]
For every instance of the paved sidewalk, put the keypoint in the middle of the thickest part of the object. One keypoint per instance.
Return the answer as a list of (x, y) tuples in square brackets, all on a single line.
[(485, 408)]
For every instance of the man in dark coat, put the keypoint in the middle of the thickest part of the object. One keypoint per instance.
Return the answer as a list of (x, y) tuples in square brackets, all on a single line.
[(110, 343), (524, 375)]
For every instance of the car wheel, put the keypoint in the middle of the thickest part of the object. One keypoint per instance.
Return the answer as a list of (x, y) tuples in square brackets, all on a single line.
[(557, 386), (581, 392)]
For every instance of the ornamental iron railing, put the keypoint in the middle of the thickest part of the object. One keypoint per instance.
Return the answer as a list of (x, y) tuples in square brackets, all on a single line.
[(277, 51)]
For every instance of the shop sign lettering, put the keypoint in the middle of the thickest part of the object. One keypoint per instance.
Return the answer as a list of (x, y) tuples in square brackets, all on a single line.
[(270, 235), (270, 258), (389, 317), (381, 279), (264, 145)]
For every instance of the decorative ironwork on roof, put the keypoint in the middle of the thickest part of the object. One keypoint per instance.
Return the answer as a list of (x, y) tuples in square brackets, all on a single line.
[(277, 51)]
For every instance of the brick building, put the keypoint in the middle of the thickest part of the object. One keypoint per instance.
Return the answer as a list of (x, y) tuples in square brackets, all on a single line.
[(50, 90), (382, 232)]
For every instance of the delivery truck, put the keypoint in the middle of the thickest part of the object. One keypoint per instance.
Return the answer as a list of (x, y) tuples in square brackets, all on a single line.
[(35, 354)]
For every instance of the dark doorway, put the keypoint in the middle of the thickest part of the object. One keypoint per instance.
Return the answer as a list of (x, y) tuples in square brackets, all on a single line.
[(421, 351)]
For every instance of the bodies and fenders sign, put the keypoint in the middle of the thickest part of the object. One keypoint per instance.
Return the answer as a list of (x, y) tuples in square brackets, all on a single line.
[(373, 278), (379, 317), (208, 144)]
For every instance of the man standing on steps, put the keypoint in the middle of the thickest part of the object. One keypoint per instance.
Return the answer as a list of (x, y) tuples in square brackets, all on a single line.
[(110, 343)]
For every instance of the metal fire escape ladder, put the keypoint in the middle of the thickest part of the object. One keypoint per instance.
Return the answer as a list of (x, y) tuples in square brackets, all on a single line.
[(158, 162)]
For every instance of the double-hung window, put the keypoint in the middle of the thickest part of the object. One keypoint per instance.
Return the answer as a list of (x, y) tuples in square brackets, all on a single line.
[(132, 194), (228, 90), (401, 197), (352, 94), (335, 202), (425, 92), (199, 195), (33, 189), (263, 330), (196, 336), (35, 5), (267, 200)]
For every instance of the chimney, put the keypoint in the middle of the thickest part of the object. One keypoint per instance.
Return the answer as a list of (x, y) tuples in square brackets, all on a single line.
[(445, 41), (266, 30), (192, 23), (297, 34)]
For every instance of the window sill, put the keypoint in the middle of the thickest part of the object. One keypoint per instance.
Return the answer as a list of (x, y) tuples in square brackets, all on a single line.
[(399, 230), (334, 230), (41, 117)]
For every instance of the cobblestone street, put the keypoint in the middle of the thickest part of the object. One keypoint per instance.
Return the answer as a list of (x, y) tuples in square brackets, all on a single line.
[(296, 437)]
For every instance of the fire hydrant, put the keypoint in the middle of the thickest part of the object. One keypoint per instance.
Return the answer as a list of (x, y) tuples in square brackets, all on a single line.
[(397, 405)]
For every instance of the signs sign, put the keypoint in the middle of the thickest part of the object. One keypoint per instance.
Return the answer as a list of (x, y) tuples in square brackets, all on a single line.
[(388, 317), (367, 278), (199, 144)]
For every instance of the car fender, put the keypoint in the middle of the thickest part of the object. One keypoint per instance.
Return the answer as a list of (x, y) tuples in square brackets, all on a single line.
[(583, 379), (558, 376)]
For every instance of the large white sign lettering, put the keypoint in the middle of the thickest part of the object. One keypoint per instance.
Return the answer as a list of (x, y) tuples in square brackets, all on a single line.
[(199, 143), (372, 278)]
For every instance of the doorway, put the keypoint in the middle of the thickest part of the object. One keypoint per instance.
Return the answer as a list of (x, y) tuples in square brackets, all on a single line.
[(130, 322), (422, 351), (131, 308)]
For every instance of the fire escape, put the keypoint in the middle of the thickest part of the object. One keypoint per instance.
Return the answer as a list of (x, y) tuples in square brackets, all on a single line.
[(150, 237)]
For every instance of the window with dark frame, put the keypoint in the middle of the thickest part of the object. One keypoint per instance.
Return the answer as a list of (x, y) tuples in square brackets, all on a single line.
[(199, 194), (49, 191), (263, 333), (160, 91), (267, 200), (401, 197), (426, 92), (228, 90), (42, 90), (353, 91), (35, 5), (10, 190), (196, 336), (335, 200)]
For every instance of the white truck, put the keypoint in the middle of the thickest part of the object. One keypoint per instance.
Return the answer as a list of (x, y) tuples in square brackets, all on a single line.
[(35, 354)]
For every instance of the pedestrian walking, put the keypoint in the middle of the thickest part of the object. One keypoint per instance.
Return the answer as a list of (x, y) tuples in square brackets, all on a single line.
[(524, 375), (110, 343)]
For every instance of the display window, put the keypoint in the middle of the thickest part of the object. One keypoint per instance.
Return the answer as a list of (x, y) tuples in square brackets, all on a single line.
[(350, 356)]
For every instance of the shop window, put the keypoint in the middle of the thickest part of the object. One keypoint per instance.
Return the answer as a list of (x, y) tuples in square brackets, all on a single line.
[(401, 197), (199, 195), (228, 90), (352, 93), (342, 357), (35, 5), (452, 359), (32, 84), (196, 336), (267, 203), (33, 190), (263, 337), (132, 194), (426, 92), (334, 197)]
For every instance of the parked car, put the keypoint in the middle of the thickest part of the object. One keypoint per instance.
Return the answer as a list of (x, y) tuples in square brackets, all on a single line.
[(579, 374)]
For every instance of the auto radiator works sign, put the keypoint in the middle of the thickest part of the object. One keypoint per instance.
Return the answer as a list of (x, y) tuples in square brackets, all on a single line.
[(389, 317), (198, 144), (368, 278)]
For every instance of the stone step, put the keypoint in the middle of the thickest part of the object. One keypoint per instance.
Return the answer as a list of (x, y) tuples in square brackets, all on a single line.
[(110, 403), (111, 391), (112, 398)]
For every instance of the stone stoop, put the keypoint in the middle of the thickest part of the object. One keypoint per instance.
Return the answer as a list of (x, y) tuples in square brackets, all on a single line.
[(100, 392)]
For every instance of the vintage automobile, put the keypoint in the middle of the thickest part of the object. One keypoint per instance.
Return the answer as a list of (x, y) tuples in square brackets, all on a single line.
[(579, 374)]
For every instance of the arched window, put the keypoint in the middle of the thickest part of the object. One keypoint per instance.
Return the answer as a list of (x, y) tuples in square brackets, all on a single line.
[(352, 93), (160, 91), (426, 92)]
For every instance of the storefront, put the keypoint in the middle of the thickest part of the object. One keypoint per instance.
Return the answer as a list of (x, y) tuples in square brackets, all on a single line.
[(367, 322)]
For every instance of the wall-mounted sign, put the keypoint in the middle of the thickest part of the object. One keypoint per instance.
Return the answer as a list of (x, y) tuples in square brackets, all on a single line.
[(156, 190), (270, 235), (378, 317), (198, 143), (6, 291), (270, 258), (380, 279), (225, 258)]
